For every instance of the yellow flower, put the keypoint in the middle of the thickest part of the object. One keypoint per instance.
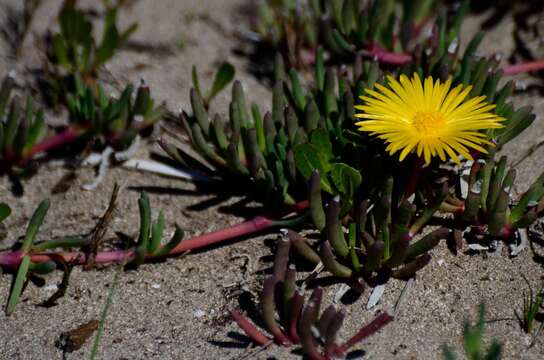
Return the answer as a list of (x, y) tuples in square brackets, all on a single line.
[(428, 118)]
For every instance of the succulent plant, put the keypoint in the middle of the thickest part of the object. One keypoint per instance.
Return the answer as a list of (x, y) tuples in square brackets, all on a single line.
[(26, 266), (532, 304), (275, 152), (309, 136), (21, 126), (488, 207), (31, 258), (116, 120), (75, 55), (298, 321), (388, 30), (74, 48), (380, 241), (5, 212), (92, 116)]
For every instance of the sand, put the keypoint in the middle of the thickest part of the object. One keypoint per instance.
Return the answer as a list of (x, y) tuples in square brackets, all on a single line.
[(177, 309)]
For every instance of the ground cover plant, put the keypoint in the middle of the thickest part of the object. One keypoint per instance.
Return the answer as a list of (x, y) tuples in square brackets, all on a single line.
[(381, 140)]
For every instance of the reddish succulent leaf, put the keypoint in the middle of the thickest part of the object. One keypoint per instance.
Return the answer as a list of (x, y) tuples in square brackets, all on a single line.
[(254, 334)]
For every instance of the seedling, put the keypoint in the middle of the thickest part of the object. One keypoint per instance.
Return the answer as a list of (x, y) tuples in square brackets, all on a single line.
[(223, 76), (94, 117), (21, 128), (472, 340), (76, 51), (532, 304)]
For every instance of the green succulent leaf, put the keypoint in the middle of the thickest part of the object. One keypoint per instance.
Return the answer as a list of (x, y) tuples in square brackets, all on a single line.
[(18, 284), (176, 239), (346, 180), (5, 211), (42, 268), (307, 160), (107, 48), (222, 78), (34, 225)]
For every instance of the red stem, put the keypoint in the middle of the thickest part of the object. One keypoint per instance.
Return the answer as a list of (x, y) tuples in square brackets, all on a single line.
[(64, 137), (376, 324), (67, 136), (393, 58), (523, 67), (387, 57), (12, 259), (254, 334)]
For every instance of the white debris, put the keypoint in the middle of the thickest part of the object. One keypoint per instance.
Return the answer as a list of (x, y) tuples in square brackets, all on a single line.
[(524, 242), (344, 288), (478, 247), (198, 313), (453, 46), (102, 170), (375, 296), (51, 287), (130, 151), (464, 187), (496, 245), (149, 166)]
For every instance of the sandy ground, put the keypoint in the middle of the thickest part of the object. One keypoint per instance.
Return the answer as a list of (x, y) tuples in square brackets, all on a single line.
[(177, 309)]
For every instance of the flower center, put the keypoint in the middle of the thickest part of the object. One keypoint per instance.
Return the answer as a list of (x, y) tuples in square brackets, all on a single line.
[(428, 123)]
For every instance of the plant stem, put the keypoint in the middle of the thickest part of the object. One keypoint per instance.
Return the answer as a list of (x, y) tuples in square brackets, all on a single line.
[(250, 330), (64, 242), (379, 322), (64, 137), (70, 135), (414, 178), (523, 67), (386, 57), (12, 259), (104, 313)]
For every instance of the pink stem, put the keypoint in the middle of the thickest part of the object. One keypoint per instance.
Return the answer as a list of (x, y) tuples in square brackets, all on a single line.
[(66, 136), (523, 67), (376, 324), (254, 334), (393, 58), (12, 259), (252, 226), (387, 57)]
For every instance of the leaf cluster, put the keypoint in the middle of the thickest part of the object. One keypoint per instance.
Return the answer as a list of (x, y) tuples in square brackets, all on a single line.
[(293, 320), (21, 126), (117, 120), (74, 47)]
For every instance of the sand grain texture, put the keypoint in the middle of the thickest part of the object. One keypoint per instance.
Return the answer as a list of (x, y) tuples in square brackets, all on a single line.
[(177, 309)]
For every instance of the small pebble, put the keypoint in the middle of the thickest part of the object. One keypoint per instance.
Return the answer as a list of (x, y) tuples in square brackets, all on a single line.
[(199, 313), (51, 287)]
